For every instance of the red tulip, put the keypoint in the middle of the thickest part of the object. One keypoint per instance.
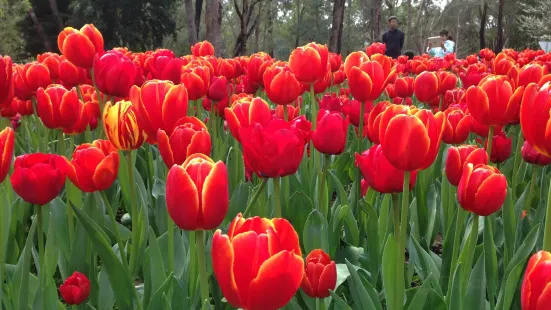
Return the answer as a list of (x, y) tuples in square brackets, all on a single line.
[(52, 61), (459, 156), (292, 112), (282, 87), (38, 178), (58, 107), (534, 117), (7, 141), (457, 126), (410, 137), (404, 86), (6, 81), (273, 150), (258, 264), (373, 121), (218, 89), (158, 105), (190, 136), (447, 81), (258, 63), (309, 63), (529, 154), (501, 147), (531, 73), (332, 103), (95, 166), (379, 173), (335, 60), (245, 112), (491, 103), (204, 184), (202, 49), (351, 108), (330, 134), (76, 289), (320, 275), (71, 75), (376, 48), (534, 293), (482, 189), (80, 46), (196, 79), (28, 78), (114, 74), (426, 86)]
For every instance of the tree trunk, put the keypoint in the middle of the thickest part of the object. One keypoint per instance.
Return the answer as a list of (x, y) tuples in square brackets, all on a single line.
[(376, 20), (55, 12), (198, 10), (40, 30), (269, 40), (499, 39), (341, 29), (408, 25), (366, 15), (483, 15), (299, 21), (257, 31), (213, 21), (190, 22), (418, 34), (247, 24), (336, 26)]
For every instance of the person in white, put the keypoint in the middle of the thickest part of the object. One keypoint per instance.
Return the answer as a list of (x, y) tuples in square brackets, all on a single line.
[(447, 45)]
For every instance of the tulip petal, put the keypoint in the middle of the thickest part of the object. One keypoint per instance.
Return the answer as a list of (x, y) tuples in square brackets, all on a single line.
[(164, 147), (479, 104), (182, 199), (406, 143), (491, 194), (215, 196), (175, 106), (287, 237), (222, 264), (328, 280), (200, 143), (277, 281), (106, 172)]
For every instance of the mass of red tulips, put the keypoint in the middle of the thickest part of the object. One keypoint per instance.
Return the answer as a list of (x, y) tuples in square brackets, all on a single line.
[(143, 180)]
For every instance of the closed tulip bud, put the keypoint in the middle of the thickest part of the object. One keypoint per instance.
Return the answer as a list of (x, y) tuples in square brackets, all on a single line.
[(492, 103), (190, 136), (246, 112), (273, 150), (197, 81), (292, 112), (335, 60), (501, 147), (202, 49), (71, 75), (197, 194), (270, 251), (339, 77), (218, 89), (376, 48), (115, 74), (28, 78), (534, 291), (447, 81), (426, 86), (352, 109), (372, 125), (80, 46), (379, 173), (158, 105), (76, 289), (320, 275), (95, 166), (410, 137), (121, 126), (330, 134), (482, 189), (7, 141), (52, 61), (529, 154), (38, 178), (404, 86), (531, 73), (457, 126), (58, 107), (227, 68), (309, 63), (534, 117), (6, 81), (331, 102), (256, 67), (282, 87), (459, 156)]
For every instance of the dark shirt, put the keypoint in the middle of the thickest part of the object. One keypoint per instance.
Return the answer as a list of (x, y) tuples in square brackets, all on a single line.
[(394, 40)]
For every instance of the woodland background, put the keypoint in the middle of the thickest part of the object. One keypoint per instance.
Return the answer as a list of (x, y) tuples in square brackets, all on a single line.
[(242, 27)]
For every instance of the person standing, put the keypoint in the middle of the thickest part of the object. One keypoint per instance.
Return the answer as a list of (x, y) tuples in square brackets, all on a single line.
[(447, 45), (393, 38)]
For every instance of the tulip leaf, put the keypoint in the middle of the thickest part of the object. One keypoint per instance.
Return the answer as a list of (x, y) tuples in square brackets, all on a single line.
[(59, 215), (238, 201), (106, 299), (490, 257), (358, 291), (456, 298), (21, 275), (421, 293), (336, 222), (338, 303), (514, 269), (476, 290), (157, 299), (390, 254), (371, 228), (341, 194), (352, 232), (316, 232), (118, 275), (423, 262), (509, 225), (300, 207), (385, 220), (155, 260)]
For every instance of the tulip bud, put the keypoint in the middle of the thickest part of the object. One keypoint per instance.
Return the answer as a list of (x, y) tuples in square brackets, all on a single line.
[(95, 166), (320, 275), (7, 140), (121, 126), (404, 86), (114, 74), (80, 46), (457, 126), (501, 147), (309, 63), (202, 49), (482, 189), (218, 89), (426, 86), (533, 293), (531, 155), (75, 289), (6, 81), (330, 134), (197, 194), (461, 155), (190, 136), (282, 87)]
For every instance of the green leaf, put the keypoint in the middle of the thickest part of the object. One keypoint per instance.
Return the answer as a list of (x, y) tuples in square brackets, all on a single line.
[(385, 221), (298, 211), (106, 299), (58, 211), (361, 297), (476, 291), (352, 230), (336, 223), (371, 228), (238, 202), (509, 225), (389, 272), (315, 232), (456, 298), (490, 257), (20, 283), (424, 263), (338, 303), (156, 265), (118, 275), (341, 194), (420, 298), (157, 299)]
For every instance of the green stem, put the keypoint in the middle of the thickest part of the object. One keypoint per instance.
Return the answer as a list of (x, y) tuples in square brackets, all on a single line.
[(323, 188), (320, 304), (400, 276), (359, 150), (115, 229), (170, 233), (518, 158), (466, 269), (547, 232), (396, 213), (528, 201), (255, 197), (285, 113), (40, 235), (134, 216), (277, 196), (203, 280), (314, 107), (490, 141)]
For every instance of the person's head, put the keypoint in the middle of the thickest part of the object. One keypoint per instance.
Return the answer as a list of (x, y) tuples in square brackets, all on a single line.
[(409, 53), (393, 22), (445, 35)]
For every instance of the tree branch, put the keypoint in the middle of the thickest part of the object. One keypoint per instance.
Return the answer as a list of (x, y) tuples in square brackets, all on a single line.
[(239, 14)]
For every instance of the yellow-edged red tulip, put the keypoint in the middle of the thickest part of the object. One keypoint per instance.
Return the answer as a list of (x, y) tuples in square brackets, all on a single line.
[(190, 136), (482, 189), (492, 102), (459, 156), (535, 117), (245, 112), (535, 292), (95, 166), (309, 63), (80, 46), (197, 193), (202, 49), (282, 86), (457, 126), (7, 141)]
